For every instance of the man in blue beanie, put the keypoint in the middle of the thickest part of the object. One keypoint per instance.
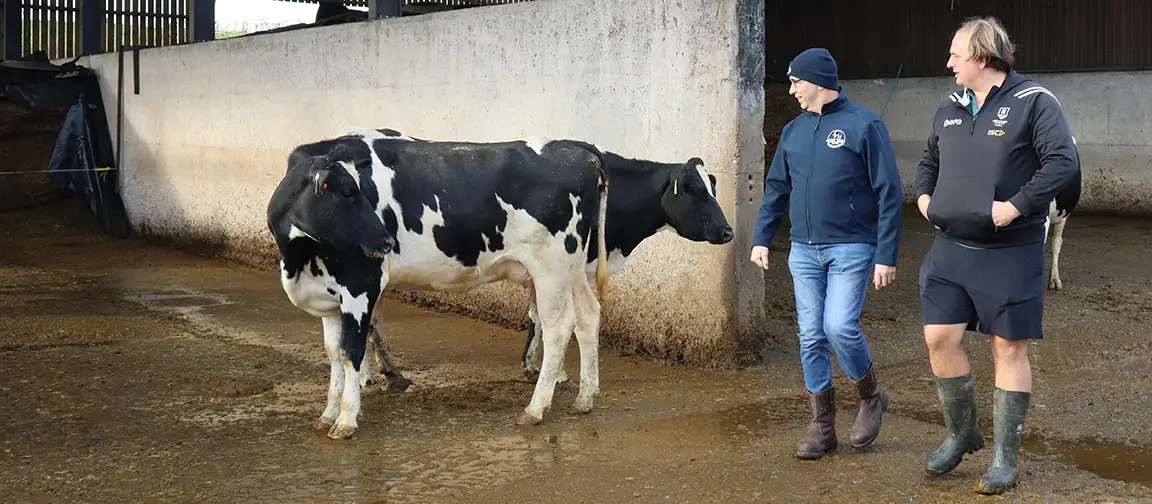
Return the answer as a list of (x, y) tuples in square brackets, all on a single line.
[(834, 174)]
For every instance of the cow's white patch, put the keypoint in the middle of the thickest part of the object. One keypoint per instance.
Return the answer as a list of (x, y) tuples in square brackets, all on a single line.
[(333, 329), (537, 144), (356, 306), (571, 230), (616, 262), (312, 293), (351, 169), (382, 177), (295, 232), (704, 178)]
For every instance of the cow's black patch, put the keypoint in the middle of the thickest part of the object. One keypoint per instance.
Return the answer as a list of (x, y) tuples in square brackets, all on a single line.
[(391, 225), (570, 244), (469, 184), (495, 241)]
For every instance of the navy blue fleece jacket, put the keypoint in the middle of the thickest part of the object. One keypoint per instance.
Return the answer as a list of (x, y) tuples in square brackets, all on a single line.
[(835, 174)]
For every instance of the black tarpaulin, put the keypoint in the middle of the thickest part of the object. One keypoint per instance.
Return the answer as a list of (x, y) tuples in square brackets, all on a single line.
[(82, 162)]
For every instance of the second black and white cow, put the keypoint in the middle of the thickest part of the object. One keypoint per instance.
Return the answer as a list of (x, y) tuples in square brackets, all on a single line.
[(375, 209), (1058, 212), (648, 197)]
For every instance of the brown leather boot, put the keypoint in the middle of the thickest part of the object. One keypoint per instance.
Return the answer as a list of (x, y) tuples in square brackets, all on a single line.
[(873, 402), (821, 435)]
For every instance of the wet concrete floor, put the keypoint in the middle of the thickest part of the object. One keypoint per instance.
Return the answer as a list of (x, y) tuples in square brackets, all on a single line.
[(135, 373)]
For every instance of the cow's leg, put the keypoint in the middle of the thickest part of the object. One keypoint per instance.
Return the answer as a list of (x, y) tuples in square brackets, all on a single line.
[(1057, 241), (367, 384), (532, 344), (532, 354), (356, 321), (558, 318), (383, 355), (332, 331), (587, 336)]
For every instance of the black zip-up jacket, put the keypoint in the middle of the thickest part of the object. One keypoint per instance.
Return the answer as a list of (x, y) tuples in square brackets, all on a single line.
[(1017, 148)]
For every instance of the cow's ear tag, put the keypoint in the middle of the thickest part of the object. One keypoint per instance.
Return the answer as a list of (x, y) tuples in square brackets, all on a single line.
[(319, 185), (675, 187)]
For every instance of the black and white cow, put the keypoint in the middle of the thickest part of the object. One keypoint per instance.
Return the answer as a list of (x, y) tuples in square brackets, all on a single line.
[(649, 197), (450, 216), (1058, 212)]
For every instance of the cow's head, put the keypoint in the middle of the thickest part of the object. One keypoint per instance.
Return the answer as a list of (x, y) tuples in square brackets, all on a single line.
[(690, 204), (329, 207)]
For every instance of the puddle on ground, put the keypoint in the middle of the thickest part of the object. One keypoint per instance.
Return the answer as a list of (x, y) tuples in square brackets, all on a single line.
[(1115, 461), (190, 305)]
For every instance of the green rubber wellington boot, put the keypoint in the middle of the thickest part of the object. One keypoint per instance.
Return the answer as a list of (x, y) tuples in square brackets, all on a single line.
[(1009, 409), (958, 400)]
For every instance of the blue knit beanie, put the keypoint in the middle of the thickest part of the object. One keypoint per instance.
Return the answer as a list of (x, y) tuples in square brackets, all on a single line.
[(816, 66)]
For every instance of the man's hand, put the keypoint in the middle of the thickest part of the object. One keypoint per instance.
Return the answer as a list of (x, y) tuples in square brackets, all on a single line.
[(922, 202), (760, 256), (1003, 213), (883, 276)]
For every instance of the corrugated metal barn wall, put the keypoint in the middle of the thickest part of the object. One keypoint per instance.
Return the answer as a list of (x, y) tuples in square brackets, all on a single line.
[(873, 38)]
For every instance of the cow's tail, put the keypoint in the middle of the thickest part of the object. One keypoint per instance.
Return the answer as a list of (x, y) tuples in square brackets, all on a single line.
[(601, 245)]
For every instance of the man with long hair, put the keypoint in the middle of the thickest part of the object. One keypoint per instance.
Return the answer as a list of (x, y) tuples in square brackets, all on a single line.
[(999, 151)]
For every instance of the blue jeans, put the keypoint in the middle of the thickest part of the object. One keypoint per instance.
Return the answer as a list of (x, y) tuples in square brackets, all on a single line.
[(830, 283)]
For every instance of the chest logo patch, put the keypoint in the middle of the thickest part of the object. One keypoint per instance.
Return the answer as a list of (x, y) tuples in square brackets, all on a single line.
[(1001, 115), (835, 139)]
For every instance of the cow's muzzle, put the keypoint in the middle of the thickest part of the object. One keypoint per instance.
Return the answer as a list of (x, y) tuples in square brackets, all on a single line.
[(380, 248), (724, 236)]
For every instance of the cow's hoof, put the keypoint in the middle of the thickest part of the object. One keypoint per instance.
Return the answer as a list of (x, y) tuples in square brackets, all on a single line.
[(371, 390), (341, 431), (568, 385), (581, 407), (532, 375), (325, 423), (397, 383), (527, 419)]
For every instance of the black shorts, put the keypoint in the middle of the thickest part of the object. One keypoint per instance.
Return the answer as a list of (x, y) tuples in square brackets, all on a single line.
[(996, 291)]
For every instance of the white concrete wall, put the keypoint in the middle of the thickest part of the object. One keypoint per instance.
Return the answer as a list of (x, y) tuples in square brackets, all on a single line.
[(1110, 114), (207, 138)]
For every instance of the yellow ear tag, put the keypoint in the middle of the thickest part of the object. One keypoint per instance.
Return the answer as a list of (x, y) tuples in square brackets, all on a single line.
[(675, 189)]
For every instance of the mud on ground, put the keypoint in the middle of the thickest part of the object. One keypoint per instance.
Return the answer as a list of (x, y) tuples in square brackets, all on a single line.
[(132, 373)]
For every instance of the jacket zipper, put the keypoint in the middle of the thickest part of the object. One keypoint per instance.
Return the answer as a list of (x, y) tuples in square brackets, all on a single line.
[(808, 184)]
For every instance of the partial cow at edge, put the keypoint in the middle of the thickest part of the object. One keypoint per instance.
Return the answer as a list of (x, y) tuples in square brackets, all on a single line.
[(1059, 210), (374, 209)]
